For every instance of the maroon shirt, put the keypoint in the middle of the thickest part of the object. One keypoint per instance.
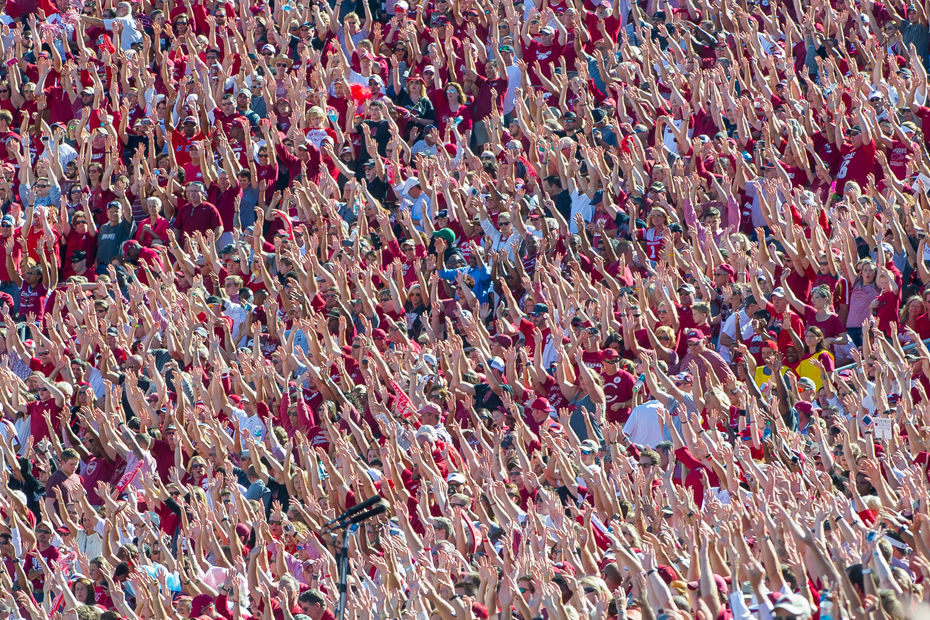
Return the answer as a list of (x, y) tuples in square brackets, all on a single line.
[(32, 300), (76, 241), (225, 201), (203, 217)]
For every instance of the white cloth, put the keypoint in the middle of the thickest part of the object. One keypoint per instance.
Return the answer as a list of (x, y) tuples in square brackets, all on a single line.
[(514, 81), (643, 426), (581, 203), (253, 423), (729, 328), (129, 34)]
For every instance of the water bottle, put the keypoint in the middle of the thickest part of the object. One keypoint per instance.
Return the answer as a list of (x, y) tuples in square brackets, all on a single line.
[(639, 383), (826, 606)]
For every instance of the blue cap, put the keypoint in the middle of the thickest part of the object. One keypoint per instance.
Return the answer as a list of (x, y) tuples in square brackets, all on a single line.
[(8, 219), (597, 198)]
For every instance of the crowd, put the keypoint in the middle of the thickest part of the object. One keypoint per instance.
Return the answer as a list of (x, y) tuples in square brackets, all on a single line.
[(619, 307)]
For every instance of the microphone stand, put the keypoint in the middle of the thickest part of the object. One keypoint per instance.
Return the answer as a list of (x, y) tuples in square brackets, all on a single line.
[(343, 523)]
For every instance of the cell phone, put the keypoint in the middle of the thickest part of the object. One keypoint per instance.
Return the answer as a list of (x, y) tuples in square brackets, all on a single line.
[(867, 420), (871, 536)]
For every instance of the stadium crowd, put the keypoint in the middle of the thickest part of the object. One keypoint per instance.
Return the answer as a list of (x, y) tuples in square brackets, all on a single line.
[(619, 307)]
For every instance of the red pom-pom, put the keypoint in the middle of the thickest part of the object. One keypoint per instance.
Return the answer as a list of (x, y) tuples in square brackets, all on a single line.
[(360, 93)]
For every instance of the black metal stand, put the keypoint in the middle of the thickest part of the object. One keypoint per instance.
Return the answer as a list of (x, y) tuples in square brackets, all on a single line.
[(344, 522), (343, 566)]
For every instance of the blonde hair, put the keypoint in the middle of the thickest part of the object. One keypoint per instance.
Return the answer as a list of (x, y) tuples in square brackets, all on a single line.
[(666, 331), (723, 401)]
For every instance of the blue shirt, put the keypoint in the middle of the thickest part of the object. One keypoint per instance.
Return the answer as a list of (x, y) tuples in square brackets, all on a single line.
[(482, 277)]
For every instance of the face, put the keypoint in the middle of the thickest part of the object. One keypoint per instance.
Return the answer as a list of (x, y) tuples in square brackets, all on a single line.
[(194, 194), (70, 466), (33, 276), (80, 592)]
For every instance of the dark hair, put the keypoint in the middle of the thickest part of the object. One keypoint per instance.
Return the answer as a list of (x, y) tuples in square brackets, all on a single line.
[(312, 597), (553, 179)]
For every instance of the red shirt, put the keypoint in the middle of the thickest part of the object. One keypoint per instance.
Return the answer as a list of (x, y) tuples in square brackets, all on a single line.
[(203, 217), (182, 145), (857, 164), (36, 411), (618, 388), (32, 300), (17, 255), (888, 310), (76, 241)]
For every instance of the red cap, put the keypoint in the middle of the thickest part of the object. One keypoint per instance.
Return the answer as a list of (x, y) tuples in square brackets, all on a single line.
[(543, 405)]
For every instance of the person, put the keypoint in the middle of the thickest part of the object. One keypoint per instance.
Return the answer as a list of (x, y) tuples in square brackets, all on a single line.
[(600, 324), (112, 235)]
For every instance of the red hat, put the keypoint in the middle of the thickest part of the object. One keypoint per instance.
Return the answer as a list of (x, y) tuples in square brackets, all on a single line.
[(235, 398), (771, 344), (667, 573), (720, 581), (543, 405), (726, 267), (609, 354), (694, 336), (200, 602), (564, 568), (504, 340), (378, 334)]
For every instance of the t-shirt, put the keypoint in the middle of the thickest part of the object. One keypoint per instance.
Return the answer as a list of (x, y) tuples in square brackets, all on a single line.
[(618, 388), (888, 310), (643, 426), (62, 486), (831, 327), (857, 164), (202, 217), (110, 240), (32, 300), (487, 398), (654, 241)]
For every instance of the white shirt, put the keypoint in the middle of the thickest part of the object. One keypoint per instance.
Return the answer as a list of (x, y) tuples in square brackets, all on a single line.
[(129, 34), (668, 137), (511, 243), (580, 204), (729, 328), (514, 80), (253, 423), (643, 427), (66, 154)]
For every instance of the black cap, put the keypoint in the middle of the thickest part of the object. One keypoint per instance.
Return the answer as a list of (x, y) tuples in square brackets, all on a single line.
[(539, 309), (229, 248), (369, 163), (78, 256), (213, 299)]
